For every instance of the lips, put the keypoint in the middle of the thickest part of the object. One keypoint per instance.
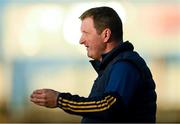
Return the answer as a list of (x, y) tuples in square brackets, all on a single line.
[(87, 47)]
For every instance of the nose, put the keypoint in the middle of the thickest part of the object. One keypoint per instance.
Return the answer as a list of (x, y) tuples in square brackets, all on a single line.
[(82, 40)]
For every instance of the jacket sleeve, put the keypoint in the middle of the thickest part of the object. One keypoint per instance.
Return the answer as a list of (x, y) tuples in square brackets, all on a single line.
[(122, 81), (100, 107)]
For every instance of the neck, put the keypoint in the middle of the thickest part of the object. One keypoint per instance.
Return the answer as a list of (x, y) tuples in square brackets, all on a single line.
[(109, 47)]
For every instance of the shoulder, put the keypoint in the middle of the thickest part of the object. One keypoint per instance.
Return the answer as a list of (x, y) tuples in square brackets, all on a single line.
[(124, 66), (124, 70)]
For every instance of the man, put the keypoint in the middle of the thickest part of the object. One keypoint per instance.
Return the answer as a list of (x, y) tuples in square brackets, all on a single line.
[(124, 90)]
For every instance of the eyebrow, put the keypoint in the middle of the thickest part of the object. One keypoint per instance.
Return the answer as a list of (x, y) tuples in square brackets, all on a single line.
[(84, 32)]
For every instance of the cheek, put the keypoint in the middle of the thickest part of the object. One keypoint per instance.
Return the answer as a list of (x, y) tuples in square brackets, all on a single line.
[(97, 48), (99, 44), (95, 43)]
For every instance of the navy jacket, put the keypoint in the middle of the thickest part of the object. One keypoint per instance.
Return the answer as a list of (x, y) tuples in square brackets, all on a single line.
[(124, 90)]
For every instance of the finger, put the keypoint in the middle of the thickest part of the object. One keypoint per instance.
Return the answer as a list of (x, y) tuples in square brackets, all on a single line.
[(40, 104), (31, 96), (36, 100), (39, 96), (39, 91)]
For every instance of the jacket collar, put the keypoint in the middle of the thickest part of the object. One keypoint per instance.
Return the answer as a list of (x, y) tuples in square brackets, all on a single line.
[(108, 57)]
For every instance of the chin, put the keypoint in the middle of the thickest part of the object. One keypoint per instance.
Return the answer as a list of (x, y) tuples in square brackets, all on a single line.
[(90, 56), (93, 57)]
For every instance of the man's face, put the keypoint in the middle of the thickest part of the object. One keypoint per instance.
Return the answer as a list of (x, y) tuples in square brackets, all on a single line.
[(91, 39)]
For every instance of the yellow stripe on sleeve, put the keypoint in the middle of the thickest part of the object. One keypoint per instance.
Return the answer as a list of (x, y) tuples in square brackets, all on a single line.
[(83, 103), (91, 110), (96, 105)]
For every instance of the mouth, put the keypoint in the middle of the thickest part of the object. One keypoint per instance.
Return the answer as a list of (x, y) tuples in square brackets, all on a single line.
[(87, 47)]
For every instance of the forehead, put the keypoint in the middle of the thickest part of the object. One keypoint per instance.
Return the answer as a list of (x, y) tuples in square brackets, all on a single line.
[(87, 23)]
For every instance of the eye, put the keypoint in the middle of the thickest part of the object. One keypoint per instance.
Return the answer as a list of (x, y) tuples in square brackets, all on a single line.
[(84, 33)]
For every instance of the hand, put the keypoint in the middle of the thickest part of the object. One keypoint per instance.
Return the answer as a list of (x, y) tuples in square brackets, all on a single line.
[(45, 97)]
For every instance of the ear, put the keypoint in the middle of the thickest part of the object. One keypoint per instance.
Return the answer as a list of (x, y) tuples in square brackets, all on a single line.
[(106, 34)]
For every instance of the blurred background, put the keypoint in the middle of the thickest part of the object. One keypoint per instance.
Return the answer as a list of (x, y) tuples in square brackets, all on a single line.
[(39, 49)]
